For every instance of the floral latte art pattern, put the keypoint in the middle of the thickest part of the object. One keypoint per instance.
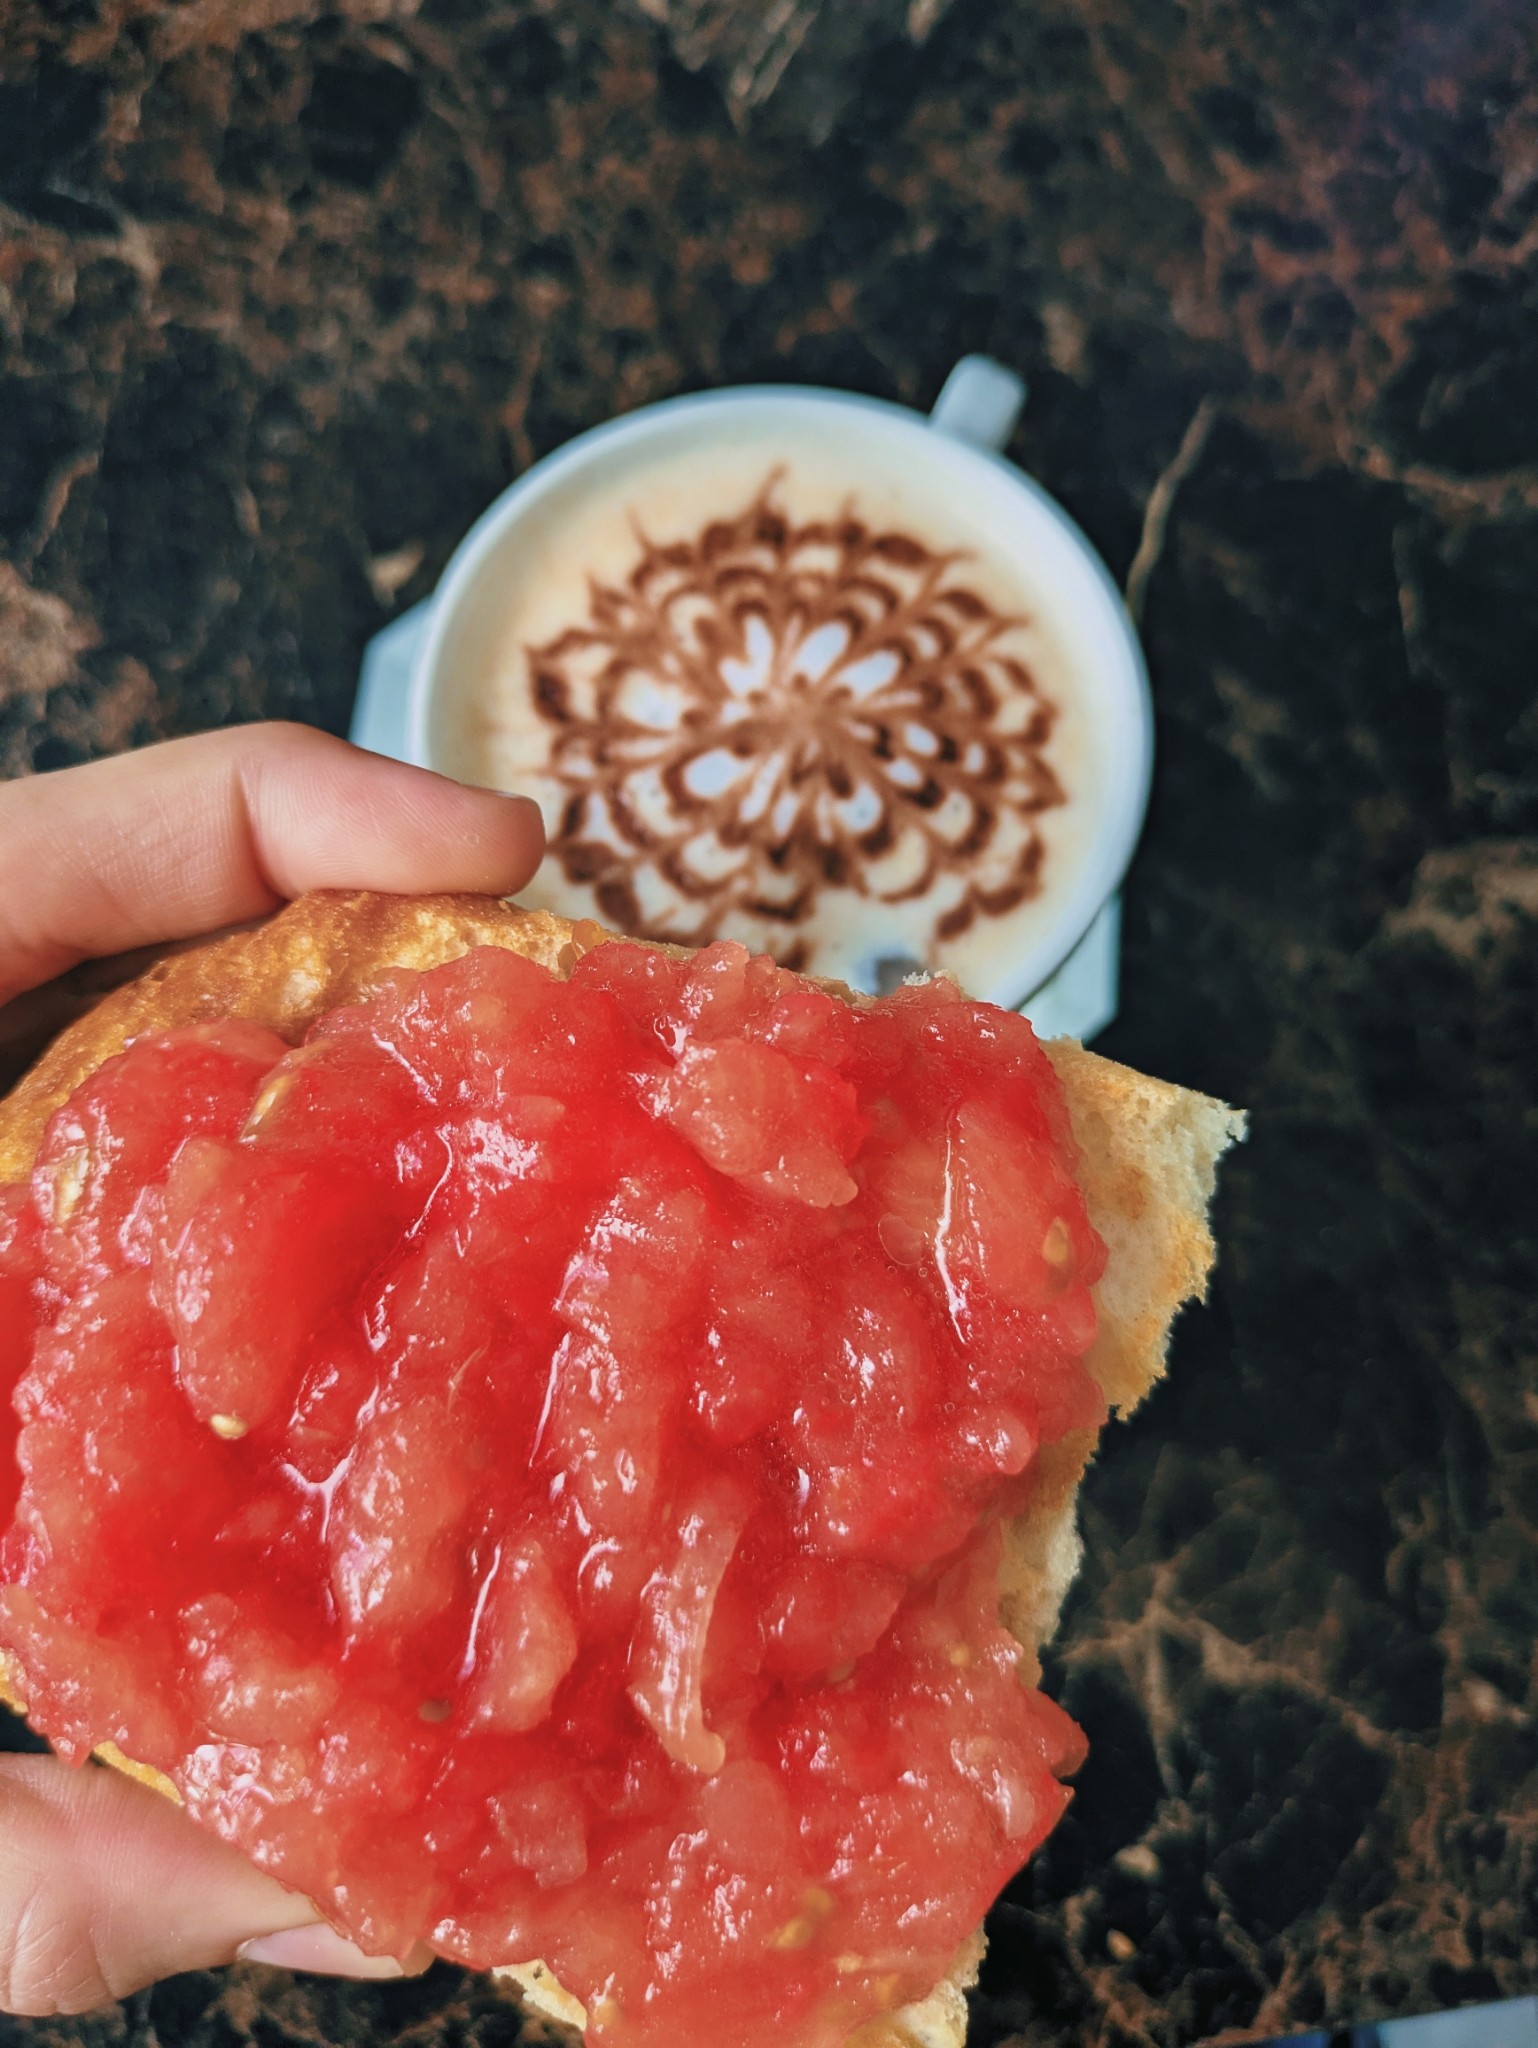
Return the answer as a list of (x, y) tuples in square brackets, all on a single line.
[(769, 711)]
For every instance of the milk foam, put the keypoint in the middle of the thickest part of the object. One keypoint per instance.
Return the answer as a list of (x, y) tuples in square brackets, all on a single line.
[(788, 690)]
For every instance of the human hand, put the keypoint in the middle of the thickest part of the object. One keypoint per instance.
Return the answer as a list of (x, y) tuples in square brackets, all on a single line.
[(104, 1885)]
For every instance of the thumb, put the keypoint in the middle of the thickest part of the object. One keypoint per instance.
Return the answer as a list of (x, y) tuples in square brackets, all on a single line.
[(105, 1887)]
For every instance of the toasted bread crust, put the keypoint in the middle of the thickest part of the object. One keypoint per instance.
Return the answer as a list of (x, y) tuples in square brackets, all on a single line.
[(1148, 1167)]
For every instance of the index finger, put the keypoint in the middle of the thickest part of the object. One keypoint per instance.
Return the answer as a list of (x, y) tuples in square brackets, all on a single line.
[(192, 835)]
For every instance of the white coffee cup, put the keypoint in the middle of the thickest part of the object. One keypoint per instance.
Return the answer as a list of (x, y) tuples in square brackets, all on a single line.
[(1065, 977)]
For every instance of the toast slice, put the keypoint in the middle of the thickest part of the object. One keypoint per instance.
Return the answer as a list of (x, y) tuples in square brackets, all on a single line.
[(1149, 1155)]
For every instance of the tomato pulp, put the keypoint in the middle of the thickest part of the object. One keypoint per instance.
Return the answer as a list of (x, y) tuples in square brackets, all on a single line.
[(529, 1463)]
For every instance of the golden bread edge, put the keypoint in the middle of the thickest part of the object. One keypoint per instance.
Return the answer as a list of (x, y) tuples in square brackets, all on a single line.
[(1149, 1157)]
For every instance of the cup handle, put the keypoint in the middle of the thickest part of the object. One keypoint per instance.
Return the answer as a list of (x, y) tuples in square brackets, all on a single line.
[(979, 402)]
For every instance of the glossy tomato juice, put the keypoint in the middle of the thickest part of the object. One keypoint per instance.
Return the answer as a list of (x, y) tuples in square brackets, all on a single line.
[(530, 1465)]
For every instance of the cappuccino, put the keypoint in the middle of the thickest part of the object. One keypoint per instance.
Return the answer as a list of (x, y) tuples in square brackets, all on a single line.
[(790, 687)]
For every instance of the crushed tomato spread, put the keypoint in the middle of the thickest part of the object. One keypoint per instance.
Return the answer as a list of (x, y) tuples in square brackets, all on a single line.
[(529, 1464)]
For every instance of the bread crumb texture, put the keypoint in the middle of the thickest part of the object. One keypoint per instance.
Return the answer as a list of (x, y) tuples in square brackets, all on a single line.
[(1148, 1168)]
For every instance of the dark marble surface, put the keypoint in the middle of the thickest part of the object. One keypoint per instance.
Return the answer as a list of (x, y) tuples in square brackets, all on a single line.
[(282, 306)]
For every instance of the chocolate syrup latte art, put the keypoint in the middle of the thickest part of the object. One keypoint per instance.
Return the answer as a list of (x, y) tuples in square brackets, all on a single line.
[(770, 709), (787, 687)]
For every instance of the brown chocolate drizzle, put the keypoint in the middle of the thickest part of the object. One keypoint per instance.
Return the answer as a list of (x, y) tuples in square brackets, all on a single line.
[(768, 710)]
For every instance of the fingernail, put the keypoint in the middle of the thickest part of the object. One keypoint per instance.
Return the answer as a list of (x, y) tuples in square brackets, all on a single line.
[(318, 1948), (527, 803)]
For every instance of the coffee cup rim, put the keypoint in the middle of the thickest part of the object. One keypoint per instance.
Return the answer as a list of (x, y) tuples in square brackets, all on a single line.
[(1125, 803)]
